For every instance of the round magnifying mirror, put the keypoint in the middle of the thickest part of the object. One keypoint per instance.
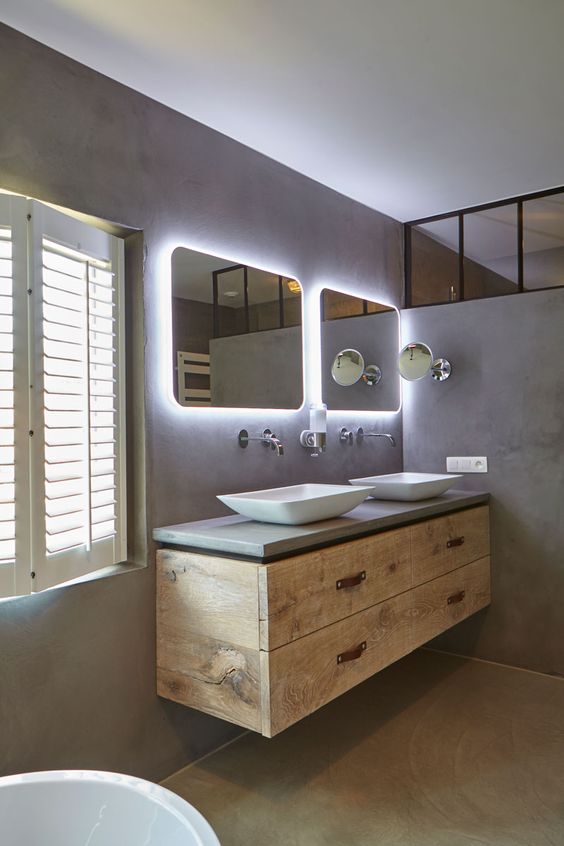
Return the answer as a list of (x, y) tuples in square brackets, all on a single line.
[(372, 375), (347, 367), (415, 361)]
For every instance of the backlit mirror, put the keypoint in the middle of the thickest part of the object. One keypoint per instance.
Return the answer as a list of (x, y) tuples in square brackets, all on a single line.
[(359, 343), (236, 334)]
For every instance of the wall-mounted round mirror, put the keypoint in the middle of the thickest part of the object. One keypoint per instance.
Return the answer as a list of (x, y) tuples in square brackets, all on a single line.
[(416, 360), (347, 368)]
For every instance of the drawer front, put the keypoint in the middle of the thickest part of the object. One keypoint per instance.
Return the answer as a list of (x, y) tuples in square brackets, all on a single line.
[(212, 676), (205, 595), (302, 676), (440, 604), (441, 545), (303, 594)]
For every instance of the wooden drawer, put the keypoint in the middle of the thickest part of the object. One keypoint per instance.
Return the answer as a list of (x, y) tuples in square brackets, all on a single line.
[(302, 676), (303, 594), (440, 604), (441, 545)]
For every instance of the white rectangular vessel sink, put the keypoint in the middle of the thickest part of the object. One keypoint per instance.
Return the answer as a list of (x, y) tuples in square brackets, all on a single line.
[(407, 487), (297, 504)]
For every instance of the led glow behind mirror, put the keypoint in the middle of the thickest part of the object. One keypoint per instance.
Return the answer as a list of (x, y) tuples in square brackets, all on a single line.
[(236, 334)]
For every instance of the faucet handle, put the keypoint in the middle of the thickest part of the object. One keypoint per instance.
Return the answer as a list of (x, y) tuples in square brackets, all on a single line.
[(345, 436)]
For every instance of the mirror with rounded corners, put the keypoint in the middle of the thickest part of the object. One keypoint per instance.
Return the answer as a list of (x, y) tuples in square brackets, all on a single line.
[(236, 334), (359, 343)]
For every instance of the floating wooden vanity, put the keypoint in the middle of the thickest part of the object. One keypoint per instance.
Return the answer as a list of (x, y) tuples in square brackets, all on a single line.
[(263, 643)]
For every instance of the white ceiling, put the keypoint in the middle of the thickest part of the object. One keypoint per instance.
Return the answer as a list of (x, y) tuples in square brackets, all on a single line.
[(413, 107)]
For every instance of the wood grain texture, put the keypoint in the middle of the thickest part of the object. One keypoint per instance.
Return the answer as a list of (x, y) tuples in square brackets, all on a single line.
[(211, 611), (305, 675), (432, 613), (206, 595), (215, 677), (430, 553), (298, 595)]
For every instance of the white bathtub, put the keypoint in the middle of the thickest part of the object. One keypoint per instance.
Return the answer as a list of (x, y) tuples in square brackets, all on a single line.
[(89, 808)]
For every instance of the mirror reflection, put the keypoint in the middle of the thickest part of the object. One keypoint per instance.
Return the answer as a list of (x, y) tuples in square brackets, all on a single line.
[(359, 342), (348, 368), (237, 334)]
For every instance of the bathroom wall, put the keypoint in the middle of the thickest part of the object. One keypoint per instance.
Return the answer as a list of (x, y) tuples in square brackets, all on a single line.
[(77, 664), (505, 399)]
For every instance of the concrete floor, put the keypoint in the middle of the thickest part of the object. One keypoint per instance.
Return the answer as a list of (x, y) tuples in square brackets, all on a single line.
[(434, 751)]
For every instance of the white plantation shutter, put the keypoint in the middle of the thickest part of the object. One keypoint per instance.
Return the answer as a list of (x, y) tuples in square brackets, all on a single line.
[(74, 402), (14, 400), (7, 428)]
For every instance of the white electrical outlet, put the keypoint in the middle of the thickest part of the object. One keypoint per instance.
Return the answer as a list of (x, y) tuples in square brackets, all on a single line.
[(467, 464)]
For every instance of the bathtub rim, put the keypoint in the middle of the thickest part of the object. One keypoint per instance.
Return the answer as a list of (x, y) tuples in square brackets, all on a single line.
[(164, 797)]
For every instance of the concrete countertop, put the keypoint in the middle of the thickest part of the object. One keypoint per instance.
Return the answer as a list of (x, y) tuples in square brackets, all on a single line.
[(238, 536)]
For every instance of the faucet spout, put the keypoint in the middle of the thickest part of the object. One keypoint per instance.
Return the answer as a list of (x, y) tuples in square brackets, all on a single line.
[(360, 434), (267, 439), (276, 445)]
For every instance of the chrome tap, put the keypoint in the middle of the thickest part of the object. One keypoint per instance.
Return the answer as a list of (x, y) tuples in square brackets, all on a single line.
[(267, 439), (345, 436), (361, 434)]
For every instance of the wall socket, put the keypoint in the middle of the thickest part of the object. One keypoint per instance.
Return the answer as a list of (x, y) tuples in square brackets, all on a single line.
[(467, 464)]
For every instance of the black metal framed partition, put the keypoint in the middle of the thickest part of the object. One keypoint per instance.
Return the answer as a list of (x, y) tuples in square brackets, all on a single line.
[(505, 247), (217, 275)]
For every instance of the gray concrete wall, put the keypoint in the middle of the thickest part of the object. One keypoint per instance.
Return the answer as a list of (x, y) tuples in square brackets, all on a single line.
[(505, 399), (77, 664)]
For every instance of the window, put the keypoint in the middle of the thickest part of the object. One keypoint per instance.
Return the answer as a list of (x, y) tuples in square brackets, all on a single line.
[(62, 450), (507, 247)]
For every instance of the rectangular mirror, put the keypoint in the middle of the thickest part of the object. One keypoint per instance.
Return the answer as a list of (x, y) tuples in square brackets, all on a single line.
[(236, 334), (359, 350)]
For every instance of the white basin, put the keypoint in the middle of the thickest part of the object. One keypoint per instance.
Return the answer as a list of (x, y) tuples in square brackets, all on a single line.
[(407, 487), (297, 504)]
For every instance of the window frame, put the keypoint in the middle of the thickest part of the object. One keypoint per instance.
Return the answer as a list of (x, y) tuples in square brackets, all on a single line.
[(34, 569)]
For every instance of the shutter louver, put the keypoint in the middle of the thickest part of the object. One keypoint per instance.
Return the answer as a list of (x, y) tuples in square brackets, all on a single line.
[(80, 399), (7, 431)]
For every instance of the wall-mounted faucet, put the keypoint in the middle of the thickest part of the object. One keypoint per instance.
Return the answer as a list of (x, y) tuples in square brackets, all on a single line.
[(361, 434), (267, 439), (315, 438), (346, 436)]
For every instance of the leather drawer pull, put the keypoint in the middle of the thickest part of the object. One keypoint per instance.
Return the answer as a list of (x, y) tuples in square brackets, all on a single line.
[(456, 597), (351, 581), (353, 654), (455, 542)]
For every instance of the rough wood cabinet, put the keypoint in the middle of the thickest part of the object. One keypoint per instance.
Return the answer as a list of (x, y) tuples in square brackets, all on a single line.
[(264, 645)]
